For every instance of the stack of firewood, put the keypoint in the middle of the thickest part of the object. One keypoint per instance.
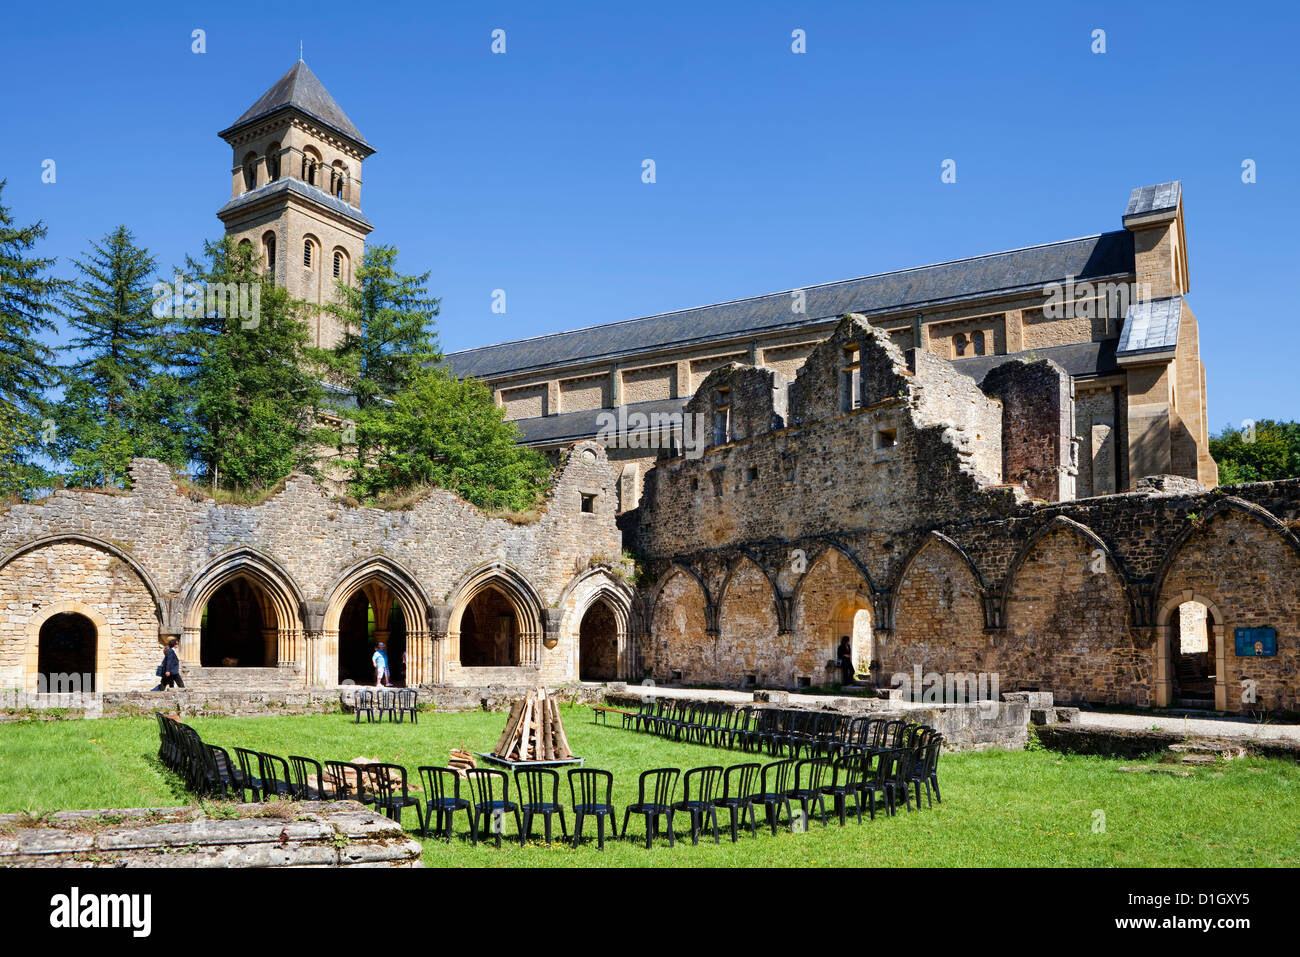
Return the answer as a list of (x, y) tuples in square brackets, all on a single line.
[(534, 731), (461, 761)]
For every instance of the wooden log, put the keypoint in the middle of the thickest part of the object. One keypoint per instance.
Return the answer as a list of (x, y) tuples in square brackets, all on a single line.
[(512, 724), (563, 749), (523, 734), (548, 730)]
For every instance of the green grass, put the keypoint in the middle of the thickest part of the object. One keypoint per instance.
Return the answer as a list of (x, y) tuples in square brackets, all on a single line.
[(1032, 808)]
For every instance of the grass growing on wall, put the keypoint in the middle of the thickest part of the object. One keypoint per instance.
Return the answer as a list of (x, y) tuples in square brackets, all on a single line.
[(1031, 808)]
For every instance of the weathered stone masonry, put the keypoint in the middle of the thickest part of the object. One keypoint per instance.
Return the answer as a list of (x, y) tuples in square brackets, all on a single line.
[(885, 499), (142, 566)]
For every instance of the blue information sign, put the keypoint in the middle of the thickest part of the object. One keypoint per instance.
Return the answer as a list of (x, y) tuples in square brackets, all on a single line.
[(1256, 642)]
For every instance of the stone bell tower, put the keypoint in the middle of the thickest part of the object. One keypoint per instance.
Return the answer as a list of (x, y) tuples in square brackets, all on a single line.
[(296, 191)]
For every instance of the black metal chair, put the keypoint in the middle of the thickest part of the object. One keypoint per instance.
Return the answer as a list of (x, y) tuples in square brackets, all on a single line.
[(441, 799), (533, 785), (485, 783), (809, 778), (250, 768), (773, 791), (873, 786), (276, 781), (703, 782), (738, 795), (389, 792), (654, 802), (846, 783), (303, 771), (408, 702), (584, 789), (363, 702), (348, 780), (924, 770)]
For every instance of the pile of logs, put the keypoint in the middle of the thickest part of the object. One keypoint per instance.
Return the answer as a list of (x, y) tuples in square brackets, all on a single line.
[(534, 731), (461, 761)]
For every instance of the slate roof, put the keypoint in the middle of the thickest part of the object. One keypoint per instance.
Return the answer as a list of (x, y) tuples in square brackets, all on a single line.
[(571, 426), (1154, 199), (302, 189), (1079, 359), (1090, 257), (1151, 326), (301, 90)]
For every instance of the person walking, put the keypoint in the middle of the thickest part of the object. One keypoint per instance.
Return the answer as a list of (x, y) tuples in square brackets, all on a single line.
[(845, 655), (170, 669), (380, 660)]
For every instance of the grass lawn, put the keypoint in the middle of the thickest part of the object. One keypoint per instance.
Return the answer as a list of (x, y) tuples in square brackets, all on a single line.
[(1033, 808)]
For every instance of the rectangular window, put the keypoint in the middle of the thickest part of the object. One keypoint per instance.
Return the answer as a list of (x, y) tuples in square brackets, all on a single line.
[(886, 438), (588, 503), (851, 379)]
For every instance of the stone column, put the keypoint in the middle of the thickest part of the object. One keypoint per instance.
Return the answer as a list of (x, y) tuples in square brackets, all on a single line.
[(1164, 690), (1217, 637), (190, 648)]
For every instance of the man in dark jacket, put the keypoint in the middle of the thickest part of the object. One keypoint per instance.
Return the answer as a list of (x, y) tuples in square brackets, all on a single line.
[(171, 668)]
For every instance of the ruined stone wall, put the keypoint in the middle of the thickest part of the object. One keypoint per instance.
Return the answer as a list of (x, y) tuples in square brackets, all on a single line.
[(142, 564), (1075, 597)]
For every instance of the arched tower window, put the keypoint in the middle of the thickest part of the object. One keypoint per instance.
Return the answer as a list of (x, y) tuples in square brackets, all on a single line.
[(340, 265), (250, 172), (309, 253), (273, 162), (310, 164), (338, 177), (268, 251)]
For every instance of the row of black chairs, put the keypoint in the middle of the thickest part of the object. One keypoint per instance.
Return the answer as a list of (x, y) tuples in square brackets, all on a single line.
[(210, 771), (394, 702), (850, 779), (774, 731)]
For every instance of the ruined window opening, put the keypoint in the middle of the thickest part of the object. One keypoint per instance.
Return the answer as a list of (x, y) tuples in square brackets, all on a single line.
[(588, 503), (851, 379), (751, 473), (722, 416), (886, 438), (803, 681), (751, 681), (695, 484), (677, 676)]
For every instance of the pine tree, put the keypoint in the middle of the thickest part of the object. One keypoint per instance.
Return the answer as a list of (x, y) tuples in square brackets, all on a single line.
[(246, 375), (27, 294), (388, 337), (119, 392)]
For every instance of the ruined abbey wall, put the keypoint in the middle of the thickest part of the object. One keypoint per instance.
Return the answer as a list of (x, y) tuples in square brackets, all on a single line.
[(142, 565), (957, 571)]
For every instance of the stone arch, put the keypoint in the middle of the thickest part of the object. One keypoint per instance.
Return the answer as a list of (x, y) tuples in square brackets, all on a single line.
[(79, 575), (937, 610), (517, 595), (751, 645), (609, 642), (1068, 622), (745, 558), (91, 541), (103, 641), (279, 598), (680, 638), (831, 600), (1057, 523), (388, 587), (1243, 565)]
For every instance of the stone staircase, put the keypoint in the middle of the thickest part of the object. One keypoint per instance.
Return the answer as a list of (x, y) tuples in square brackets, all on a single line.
[(283, 678)]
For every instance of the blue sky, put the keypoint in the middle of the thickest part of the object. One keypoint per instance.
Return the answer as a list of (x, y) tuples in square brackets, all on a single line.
[(774, 170)]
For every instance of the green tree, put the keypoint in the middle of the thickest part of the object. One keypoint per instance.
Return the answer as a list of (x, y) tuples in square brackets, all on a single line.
[(119, 391), (27, 297), (1269, 450), (448, 432), (388, 336), (245, 372)]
